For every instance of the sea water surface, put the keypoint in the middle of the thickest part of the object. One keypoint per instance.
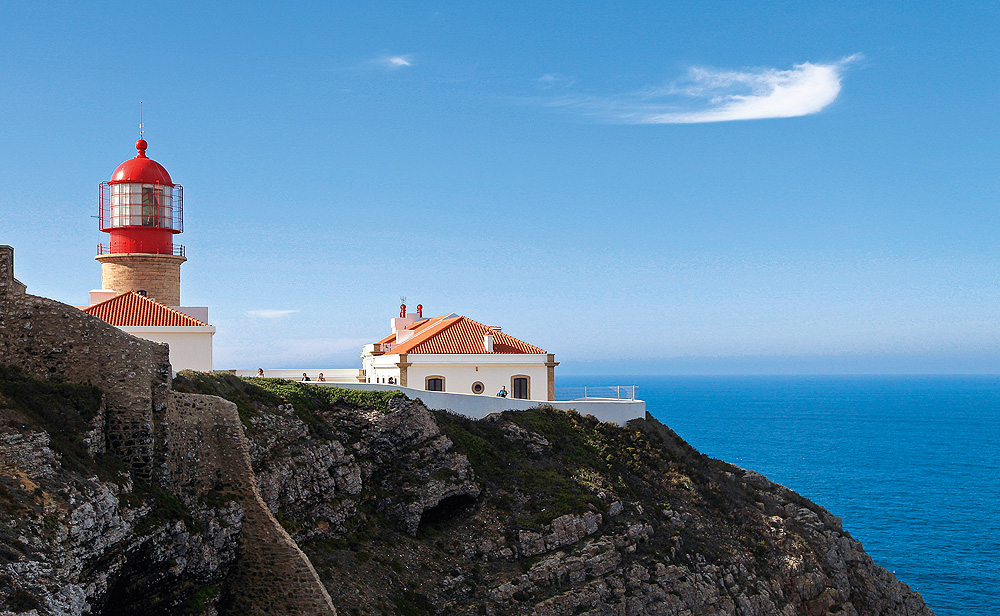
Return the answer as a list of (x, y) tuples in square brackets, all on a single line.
[(911, 463)]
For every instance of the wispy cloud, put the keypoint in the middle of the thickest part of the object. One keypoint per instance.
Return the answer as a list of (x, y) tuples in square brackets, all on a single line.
[(394, 62), (708, 95), (555, 80), (248, 350), (270, 314)]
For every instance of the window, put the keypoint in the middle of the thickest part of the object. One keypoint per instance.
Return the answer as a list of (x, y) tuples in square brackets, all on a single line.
[(478, 387), (519, 387), (435, 383), (147, 205)]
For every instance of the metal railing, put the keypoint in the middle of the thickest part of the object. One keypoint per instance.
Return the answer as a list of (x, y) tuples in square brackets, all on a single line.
[(600, 392), (178, 250)]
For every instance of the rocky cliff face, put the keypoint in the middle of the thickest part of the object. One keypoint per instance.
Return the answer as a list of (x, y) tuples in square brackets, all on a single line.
[(119, 495), (404, 510), (78, 531), (407, 511)]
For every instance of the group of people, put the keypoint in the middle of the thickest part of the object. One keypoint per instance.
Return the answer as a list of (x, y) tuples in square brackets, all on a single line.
[(390, 381), (305, 377)]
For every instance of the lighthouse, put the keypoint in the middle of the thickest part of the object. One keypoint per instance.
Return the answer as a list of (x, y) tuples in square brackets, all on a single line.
[(142, 210)]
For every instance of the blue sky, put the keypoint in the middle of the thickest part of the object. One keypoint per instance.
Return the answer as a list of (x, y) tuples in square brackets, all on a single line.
[(638, 187)]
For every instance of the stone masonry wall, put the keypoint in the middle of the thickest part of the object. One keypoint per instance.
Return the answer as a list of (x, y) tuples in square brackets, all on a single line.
[(6, 269), (46, 338), (158, 275), (8, 284), (207, 450)]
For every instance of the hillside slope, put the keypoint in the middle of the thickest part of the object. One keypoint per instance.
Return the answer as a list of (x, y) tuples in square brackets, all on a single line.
[(404, 510)]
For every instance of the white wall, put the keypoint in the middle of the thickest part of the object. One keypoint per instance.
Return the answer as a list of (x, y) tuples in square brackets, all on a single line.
[(477, 407), (190, 347), (460, 371), (459, 378)]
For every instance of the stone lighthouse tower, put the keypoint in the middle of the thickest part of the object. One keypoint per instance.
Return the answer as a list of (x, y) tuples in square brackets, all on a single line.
[(142, 210)]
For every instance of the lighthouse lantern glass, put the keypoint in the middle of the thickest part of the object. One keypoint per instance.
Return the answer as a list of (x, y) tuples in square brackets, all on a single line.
[(142, 205)]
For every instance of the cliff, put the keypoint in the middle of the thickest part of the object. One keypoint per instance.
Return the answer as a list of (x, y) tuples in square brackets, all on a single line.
[(119, 495), (123, 492), (404, 510)]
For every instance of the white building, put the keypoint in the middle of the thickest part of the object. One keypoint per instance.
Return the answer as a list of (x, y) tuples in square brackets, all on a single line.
[(189, 337), (452, 353)]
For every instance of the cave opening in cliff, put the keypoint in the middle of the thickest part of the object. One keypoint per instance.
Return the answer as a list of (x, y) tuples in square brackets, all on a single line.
[(447, 509), (142, 587)]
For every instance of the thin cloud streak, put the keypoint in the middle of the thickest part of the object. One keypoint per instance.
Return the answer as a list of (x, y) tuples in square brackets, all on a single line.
[(707, 95), (269, 314), (394, 62)]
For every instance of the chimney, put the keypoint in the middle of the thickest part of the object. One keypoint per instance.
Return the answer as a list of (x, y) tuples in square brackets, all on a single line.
[(420, 311), (488, 340)]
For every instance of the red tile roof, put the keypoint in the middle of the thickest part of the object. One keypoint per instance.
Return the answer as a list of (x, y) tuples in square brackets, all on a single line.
[(455, 334), (133, 310)]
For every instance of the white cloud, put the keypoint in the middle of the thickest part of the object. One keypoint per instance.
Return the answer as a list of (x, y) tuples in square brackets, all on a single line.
[(707, 95), (394, 62), (270, 314)]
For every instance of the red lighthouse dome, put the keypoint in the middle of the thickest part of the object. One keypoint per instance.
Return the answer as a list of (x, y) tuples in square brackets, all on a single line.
[(141, 169), (141, 208)]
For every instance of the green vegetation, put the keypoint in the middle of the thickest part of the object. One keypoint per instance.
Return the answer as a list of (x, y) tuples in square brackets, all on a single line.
[(413, 603), (309, 401), (166, 508), (228, 386), (64, 411), (587, 457), (201, 600)]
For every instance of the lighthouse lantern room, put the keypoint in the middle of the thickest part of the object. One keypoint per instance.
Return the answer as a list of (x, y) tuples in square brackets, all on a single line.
[(142, 209)]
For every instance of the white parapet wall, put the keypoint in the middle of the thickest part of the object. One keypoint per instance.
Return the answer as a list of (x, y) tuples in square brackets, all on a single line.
[(477, 407)]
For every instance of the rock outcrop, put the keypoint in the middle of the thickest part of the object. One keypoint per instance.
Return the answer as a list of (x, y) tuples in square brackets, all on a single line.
[(543, 512)]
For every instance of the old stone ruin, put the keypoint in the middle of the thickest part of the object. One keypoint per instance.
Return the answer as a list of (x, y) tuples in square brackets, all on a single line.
[(190, 446)]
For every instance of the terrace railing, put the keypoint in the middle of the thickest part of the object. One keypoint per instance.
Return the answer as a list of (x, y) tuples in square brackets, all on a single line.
[(600, 392)]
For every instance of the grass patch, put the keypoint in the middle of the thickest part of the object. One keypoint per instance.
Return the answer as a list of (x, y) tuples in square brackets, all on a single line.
[(65, 411), (201, 600), (413, 603), (309, 401), (549, 486), (166, 508)]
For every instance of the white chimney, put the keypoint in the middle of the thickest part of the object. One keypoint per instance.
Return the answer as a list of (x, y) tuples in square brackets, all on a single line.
[(99, 295), (488, 341)]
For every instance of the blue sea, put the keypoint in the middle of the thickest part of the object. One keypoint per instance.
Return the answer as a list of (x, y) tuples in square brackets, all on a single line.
[(911, 463)]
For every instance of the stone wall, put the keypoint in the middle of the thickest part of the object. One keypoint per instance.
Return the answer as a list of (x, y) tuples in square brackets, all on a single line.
[(158, 275), (189, 444), (8, 284), (49, 339), (206, 451)]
